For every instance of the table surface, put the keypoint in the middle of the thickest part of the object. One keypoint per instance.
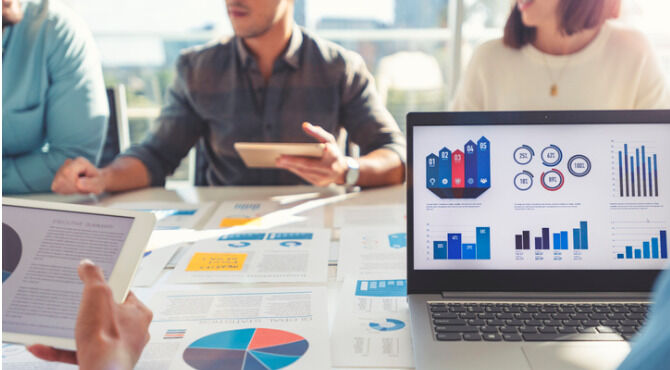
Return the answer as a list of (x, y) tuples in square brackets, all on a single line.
[(328, 198)]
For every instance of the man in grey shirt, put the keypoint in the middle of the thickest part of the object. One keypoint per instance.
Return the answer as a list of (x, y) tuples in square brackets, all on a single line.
[(264, 84)]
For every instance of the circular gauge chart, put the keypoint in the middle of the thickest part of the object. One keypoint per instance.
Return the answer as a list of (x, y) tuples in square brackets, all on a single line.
[(246, 349), (11, 251)]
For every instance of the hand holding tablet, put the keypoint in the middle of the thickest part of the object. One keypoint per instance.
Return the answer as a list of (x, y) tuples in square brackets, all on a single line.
[(41, 290)]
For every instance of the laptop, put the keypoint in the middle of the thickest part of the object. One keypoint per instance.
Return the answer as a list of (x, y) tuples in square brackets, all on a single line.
[(534, 238)]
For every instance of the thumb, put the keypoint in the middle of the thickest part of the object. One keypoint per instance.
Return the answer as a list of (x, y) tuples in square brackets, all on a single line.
[(318, 133), (89, 273)]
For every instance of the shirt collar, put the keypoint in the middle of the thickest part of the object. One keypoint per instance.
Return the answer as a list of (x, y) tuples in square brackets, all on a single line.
[(291, 55)]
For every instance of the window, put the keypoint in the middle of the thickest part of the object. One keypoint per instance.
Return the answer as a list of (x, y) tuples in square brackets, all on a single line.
[(408, 45)]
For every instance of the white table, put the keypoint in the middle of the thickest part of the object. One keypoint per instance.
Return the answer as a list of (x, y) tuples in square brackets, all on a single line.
[(332, 196)]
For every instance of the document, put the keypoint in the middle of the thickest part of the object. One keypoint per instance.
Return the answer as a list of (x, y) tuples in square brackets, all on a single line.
[(17, 357), (390, 215), (277, 256), (226, 328), (171, 215), (372, 251), (372, 325), (153, 263), (263, 214)]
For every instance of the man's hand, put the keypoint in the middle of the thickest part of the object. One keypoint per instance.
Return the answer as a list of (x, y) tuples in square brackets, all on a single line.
[(78, 176), (108, 335), (330, 168)]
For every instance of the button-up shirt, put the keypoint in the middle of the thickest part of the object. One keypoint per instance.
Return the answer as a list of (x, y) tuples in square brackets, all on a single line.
[(220, 96), (54, 104)]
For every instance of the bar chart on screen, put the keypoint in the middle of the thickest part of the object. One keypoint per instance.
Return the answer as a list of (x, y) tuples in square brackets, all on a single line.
[(635, 170), (640, 241), (459, 242), (552, 244)]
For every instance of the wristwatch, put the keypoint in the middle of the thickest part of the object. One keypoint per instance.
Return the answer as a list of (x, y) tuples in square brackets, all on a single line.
[(353, 172)]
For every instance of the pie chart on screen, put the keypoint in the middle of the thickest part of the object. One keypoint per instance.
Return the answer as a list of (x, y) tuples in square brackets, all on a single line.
[(11, 251), (246, 349)]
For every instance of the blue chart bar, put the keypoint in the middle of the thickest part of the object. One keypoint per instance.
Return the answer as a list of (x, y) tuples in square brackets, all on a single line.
[(632, 177), (655, 177), (545, 238), (439, 250), (620, 176), (576, 239), (584, 235), (483, 162), (483, 243), (664, 245), (637, 168), (654, 247), (538, 242), (432, 172), (454, 246), (629, 252), (470, 164), (526, 239), (469, 251), (444, 180), (619, 256), (635, 172), (645, 250), (564, 240), (454, 249), (518, 240), (557, 241), (638, 254)]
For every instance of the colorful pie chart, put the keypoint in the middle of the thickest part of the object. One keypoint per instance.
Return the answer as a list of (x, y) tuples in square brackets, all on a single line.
[(246, 349), (11, 251)]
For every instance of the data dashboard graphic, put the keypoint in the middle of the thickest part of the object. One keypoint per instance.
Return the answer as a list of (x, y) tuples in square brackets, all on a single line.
[(454, 248), (11, 251), (398, 240), (641, 240), (637, 172), (554, 241), (389, 325), (551, 179), (246, 349), (460, 173)]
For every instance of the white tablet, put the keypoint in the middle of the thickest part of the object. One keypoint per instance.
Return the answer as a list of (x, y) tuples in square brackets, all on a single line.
[(42, 245), (264, 155)]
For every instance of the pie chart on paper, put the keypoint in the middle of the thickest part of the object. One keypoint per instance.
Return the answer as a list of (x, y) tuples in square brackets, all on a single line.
[(11, 251), (246, 349)]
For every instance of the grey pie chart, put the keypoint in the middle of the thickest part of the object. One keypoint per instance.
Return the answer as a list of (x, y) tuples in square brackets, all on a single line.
[(11, 251)]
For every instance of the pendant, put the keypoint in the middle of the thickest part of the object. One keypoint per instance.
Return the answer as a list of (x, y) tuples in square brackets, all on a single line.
[(554, 90)]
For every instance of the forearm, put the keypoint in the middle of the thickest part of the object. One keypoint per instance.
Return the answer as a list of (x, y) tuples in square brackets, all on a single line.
[(125, 173), (381, 167)]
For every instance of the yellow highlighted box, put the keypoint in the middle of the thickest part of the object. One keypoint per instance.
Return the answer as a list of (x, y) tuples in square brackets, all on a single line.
[(230, 221), (217, 262)]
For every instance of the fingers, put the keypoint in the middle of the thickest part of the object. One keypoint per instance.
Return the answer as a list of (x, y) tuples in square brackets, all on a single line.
[(318, 133), (67, 179), (51, 354), (89, 273), (132, 300)]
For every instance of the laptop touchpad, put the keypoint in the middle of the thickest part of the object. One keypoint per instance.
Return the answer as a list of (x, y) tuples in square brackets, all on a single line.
[(550, 356)]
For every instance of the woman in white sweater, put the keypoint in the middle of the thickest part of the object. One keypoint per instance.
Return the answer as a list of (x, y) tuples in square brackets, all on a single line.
[(564, 55)]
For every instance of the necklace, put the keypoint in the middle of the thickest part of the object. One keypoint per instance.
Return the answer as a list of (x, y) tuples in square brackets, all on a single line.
[(553, 89)]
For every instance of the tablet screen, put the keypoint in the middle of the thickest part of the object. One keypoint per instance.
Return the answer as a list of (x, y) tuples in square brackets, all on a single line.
[(41, 249)]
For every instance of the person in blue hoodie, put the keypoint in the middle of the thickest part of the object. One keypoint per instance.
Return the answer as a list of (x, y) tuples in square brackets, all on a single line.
[(54, 104)]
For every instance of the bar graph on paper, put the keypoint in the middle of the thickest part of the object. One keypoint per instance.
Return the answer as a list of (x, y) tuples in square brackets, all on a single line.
[(635, 168), (643, 240), (554, 242), (459, 243)]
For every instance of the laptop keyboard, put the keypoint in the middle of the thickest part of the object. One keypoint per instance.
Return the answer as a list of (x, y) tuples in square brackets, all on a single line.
[(514, 322)]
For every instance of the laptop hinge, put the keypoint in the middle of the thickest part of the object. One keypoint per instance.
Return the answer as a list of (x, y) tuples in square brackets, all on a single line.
[(544, 296)]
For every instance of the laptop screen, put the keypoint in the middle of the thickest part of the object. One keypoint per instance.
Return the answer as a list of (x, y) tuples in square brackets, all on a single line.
[(540, 196)]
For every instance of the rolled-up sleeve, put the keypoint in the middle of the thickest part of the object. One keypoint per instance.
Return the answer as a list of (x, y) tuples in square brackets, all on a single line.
[(75, 112), (362, 114), (179, 128)]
